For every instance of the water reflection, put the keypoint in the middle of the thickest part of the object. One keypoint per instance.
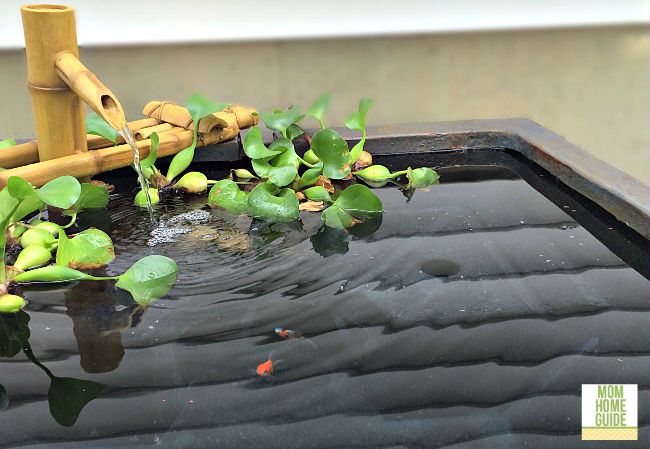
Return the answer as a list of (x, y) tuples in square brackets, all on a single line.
[(66, 396), (99, 320)]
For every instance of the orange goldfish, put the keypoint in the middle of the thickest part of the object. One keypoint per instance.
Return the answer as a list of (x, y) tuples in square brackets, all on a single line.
[(265, 369), (287, 334)]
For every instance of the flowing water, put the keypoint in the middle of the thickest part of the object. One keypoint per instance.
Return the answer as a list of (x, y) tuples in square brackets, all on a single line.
[(127, 135), (469, 318)]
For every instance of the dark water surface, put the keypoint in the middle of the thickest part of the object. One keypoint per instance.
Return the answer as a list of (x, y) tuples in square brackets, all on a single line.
[(469, 319)]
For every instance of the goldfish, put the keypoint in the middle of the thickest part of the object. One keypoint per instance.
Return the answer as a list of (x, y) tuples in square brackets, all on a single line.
[(265, 369), (287, 334)]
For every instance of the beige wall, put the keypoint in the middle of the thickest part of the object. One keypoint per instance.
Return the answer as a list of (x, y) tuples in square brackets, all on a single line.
[(590, 85)]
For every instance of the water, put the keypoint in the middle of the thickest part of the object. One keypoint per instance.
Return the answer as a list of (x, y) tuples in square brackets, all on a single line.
[(127, 135), (469, 319)]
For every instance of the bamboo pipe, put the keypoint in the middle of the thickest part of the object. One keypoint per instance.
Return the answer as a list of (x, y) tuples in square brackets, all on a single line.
[(85, 84), (164, 111), (94, 162), (58, 111), (146, 133), (27, 153)]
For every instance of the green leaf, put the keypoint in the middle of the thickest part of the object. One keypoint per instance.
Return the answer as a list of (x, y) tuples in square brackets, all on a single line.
[(98, 126), (357, 120), (6, 143), (309, 177), (53, 273), (150, 160), (7, 205), (24, 193), (287, 154), (421, 178), (68, 396), (181, 161), (318, 108), (281, 169), (332, 149), (226, 194), (149, 278), (61, 192), (254, 145), (89, 249), (280, 176), (294, 131), (30, 204), (357, 149), (269, 202), (19, 188), (317, 193), (355, 203), (92, 197), (199, 106), (279, 120)]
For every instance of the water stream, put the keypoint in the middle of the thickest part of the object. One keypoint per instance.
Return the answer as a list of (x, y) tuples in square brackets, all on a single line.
[(127, 135)]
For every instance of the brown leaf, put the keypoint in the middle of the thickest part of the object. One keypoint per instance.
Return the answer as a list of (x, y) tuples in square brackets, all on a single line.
[(109, 187), (311, 206), (364, 161), (326, 183), (159, 181), (301, 196)]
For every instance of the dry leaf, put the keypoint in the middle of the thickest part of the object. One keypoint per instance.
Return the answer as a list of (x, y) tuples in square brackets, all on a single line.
[(311, 206), (159, 181), (300, 196), (326, 183), (365, 160), (109, 187)]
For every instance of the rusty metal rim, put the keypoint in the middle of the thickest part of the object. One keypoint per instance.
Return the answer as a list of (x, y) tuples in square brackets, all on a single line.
[(622, 195)]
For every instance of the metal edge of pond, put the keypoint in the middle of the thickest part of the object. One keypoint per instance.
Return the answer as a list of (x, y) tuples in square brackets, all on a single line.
[(620, 194)]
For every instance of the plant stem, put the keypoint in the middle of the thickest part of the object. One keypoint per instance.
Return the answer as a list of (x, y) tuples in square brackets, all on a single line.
[(304, 162), (72, 221), (398, 173)]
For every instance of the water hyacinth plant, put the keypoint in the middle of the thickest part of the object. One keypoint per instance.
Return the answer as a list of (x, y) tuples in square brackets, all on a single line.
[(280, 182), (322, 179), (147, 279)]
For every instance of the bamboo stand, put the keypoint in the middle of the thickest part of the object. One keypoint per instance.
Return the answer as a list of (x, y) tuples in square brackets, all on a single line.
[(58, 83), (104, 158)]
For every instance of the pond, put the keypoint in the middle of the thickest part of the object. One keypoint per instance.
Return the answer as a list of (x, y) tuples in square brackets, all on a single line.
[(468, 316)]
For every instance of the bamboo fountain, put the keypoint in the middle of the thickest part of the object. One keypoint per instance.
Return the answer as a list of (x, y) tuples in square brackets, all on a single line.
[(59, 84)]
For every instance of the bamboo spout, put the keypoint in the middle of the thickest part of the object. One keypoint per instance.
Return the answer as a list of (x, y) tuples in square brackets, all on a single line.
[(85, 84)]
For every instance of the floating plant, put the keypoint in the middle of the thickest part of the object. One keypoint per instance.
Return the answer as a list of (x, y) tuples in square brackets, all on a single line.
[(281, 185), (147, 279)]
